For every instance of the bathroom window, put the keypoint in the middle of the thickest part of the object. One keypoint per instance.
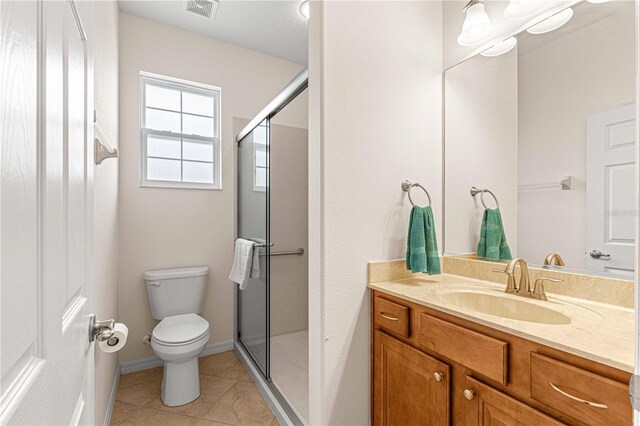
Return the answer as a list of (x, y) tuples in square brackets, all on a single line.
[(180, 133), (260, 157)]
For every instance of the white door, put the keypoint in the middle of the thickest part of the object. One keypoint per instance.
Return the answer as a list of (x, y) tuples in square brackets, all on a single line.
[(611, 191), (46, 205)]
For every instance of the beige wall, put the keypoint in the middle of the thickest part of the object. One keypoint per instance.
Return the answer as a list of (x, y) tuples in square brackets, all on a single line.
[(164, 228), (105, 235), (375, 119), (481, 149), (560, 84), (288, 188)]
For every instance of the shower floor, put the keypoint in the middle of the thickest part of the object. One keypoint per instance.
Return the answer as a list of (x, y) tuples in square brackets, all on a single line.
[(290, 370)]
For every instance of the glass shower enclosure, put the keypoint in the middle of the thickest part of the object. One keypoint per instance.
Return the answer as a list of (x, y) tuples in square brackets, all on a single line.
[(253, 224), (253, 325)]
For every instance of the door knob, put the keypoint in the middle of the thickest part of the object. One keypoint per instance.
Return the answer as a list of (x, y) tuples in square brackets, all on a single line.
[(469, 394), (438, 377), (101, 330), (597, 254)]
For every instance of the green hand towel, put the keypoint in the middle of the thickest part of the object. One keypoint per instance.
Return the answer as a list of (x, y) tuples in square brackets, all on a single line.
[(493, 241), (422, 246)]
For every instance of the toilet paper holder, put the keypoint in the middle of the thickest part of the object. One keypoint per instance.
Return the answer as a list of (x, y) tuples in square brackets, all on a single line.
[(101, 330)]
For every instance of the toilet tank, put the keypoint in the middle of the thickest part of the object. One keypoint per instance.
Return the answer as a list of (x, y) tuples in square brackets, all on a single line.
[(176, 291)]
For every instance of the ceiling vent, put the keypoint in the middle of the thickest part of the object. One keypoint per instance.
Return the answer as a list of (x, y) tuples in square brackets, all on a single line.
[(206, 8)]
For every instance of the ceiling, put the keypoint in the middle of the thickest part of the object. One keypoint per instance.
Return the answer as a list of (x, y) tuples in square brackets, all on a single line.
[(275, 28)]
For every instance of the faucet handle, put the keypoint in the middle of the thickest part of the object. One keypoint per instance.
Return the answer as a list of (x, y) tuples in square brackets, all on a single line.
[(538, 288)]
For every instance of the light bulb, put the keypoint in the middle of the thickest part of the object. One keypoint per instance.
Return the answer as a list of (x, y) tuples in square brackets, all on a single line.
[(477, 25), (501, 48), (552, 23), (522, 9), (304, 9)]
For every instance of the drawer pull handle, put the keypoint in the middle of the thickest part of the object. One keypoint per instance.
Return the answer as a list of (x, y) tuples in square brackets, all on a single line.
[(575, 398), (389, 317)]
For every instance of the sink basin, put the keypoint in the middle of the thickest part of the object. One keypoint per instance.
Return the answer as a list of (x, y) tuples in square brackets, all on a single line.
[(504, 307)]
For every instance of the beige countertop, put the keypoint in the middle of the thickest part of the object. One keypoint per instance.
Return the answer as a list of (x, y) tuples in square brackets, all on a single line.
[(597, 331)]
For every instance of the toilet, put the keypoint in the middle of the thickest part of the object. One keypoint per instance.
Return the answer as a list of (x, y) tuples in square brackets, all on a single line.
[(176, 297)]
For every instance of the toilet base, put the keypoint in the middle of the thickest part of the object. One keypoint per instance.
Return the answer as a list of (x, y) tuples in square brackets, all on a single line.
[(180, 382)]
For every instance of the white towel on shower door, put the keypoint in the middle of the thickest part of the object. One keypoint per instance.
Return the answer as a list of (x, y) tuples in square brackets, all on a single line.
[(242, 263)]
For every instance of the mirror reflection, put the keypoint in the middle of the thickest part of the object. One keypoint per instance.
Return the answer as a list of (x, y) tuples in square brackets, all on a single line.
[(544, 126)]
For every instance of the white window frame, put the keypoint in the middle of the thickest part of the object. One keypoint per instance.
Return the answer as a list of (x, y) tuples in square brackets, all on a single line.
[(190, 87)]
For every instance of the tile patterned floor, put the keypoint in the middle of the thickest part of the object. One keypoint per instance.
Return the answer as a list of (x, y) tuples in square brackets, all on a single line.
[(228, 396)]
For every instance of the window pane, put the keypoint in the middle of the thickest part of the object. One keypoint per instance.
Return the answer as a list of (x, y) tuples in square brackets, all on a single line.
[(261, 158), (197, 104), (163, 120), (197, 172), (161, 146), (194, 125), (260, 135), (160, 97), (261, 176), (196, 150), (163, 169)]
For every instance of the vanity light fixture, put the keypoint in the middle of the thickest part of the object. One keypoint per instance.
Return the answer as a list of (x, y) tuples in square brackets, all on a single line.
[(477, 25), (304, 9), (500, 48), (552, 23), (523, 9)]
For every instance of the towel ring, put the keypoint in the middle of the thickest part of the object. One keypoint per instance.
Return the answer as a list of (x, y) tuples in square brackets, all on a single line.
[(406, 187), (475, 191)]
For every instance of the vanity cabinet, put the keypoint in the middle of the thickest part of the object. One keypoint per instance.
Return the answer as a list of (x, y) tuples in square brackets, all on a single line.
[(433, 368), (486, 406), (410, 386)]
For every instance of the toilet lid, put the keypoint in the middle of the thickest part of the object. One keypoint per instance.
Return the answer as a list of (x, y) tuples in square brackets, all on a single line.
[(180, 329)]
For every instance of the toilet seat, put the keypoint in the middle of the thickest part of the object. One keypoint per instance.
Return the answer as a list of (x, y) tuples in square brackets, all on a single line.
[(180, 330)]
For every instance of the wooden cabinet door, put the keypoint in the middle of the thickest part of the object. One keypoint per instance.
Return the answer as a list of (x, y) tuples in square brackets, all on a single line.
[(406, 390), (489, 407)]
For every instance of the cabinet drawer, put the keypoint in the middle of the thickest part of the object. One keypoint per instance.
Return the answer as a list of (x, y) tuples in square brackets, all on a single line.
[(483, 354), (391, 316), (585, 396)]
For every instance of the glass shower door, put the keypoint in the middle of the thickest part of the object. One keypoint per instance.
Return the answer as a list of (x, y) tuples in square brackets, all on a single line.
[(253, 224)]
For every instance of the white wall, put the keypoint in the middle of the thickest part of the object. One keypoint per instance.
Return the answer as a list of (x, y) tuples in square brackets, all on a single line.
[(560, 84), (481, 147), (105, 235), (375, 94), (164, 228)]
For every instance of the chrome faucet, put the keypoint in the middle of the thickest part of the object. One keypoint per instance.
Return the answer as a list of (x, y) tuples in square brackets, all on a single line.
[(554, 256), (524, 286)]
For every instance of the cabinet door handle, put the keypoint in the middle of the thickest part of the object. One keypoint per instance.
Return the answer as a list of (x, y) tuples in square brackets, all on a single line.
[(437, 377), (389, 317), (469, 394), (575, 398)]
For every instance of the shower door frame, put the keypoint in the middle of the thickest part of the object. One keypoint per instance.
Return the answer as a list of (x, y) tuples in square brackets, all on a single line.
[(263, 380)]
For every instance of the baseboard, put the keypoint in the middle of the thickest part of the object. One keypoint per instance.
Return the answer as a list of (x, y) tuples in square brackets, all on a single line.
[(153, 361), (112, 397)]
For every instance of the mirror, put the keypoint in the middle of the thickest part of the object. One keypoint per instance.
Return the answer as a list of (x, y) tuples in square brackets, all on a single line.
[(549, 129)]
